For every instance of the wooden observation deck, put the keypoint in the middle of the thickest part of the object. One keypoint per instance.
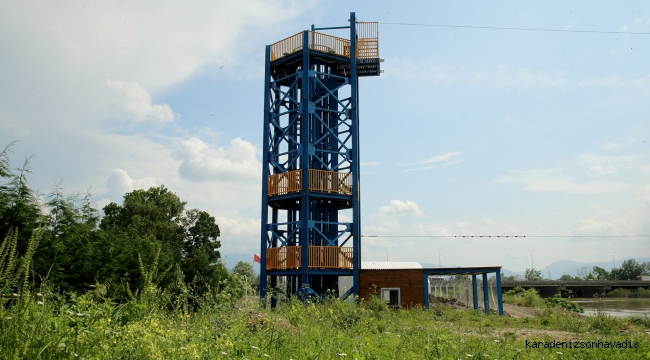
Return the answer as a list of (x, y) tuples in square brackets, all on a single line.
[(319, 180), (335, 49), (367, 43), (320, 257)]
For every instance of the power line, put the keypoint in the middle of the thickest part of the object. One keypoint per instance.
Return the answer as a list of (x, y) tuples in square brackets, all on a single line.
[(518, 28), (506, 236)]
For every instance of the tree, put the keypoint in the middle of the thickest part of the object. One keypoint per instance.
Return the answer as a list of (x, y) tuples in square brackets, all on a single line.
[(583, 273), (70, 255), (245, 269), (566, 277), (629, 270), (601, 274), (533, 274), (153, 219), (200, 245), (148, 220), (19, 206)]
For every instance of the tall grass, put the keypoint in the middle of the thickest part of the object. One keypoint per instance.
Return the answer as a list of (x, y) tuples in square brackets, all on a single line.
[(188, 323), (626, 293)]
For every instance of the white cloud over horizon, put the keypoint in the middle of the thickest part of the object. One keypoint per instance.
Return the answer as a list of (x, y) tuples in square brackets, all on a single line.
[(136, 104), (199, 162), (402, 208)]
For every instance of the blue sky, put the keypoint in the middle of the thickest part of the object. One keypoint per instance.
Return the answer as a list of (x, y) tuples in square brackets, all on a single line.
[(468, 131)]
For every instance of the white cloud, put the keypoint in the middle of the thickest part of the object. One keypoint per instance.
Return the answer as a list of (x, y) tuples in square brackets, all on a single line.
[(593, 227), (450, 156), (420, 168), (239, 234), (199, 162), (405, 208), (119, 182), (618, 81), (461, 224), (644, 193), (549, 180), (611, 145), (433, 230), (557, 179), (487, 221), (496, 76), (387, 225), (136, 105), (56, 56), (237, 225), (597, 170)]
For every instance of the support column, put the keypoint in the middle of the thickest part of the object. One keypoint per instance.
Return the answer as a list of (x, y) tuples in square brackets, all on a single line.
[(425, 286), (475, 292), (305, 132), (486, 298), (354, 115), (499, 293), (265, 173)]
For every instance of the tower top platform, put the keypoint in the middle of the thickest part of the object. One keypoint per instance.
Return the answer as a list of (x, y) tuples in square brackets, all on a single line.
[(330, 49)]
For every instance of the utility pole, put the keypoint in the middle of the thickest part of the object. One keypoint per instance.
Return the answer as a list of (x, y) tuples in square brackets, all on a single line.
[(613, 263), (531, 259)]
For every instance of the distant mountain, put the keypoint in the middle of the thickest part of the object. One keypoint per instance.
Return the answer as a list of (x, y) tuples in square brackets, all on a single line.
[(569, 267)]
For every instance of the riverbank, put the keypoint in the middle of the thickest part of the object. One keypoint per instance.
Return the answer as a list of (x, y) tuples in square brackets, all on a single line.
[(616, 307), (632, 294)]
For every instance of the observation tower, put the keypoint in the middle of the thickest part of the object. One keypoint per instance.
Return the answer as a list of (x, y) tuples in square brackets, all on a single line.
[(310, 233)]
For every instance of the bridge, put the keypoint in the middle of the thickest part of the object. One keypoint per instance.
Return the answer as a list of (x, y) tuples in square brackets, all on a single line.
[(579, 288)]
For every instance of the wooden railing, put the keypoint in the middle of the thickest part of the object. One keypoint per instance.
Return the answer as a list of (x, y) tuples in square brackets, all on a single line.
[(367, 49), (330, 182), (320, 257), (287, 257), (330, 257), (367, 46), (285, 183), (286, 46), (319, 180)]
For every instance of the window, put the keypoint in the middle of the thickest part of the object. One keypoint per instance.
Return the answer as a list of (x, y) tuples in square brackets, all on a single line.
[(391, 297)]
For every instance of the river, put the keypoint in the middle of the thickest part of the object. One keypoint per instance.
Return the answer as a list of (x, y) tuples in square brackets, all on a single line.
[(618, 307)]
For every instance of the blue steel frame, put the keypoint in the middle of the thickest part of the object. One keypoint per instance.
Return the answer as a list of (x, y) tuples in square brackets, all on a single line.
[(307, 125), (469, 271)]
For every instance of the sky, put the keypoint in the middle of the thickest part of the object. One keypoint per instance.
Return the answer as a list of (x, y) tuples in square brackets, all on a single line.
[(468, 132)]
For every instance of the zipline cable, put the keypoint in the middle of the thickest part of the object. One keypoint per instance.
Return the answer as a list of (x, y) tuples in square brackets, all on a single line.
[(517, 28), (506, 236)]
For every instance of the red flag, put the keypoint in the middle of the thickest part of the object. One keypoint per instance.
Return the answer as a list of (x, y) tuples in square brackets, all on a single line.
[(257, 259)]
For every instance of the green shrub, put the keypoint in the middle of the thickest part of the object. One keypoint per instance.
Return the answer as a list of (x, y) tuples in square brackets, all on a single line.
[(521, 297), (626, 293), (560, 302)]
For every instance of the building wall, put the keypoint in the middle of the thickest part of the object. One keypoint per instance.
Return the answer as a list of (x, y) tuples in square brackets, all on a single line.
[(409, 281)]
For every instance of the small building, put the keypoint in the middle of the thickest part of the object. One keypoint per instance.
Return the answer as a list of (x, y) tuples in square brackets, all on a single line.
[(404, 285)]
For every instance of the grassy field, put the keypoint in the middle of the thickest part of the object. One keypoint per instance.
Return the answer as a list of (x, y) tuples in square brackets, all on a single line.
[(156, 325)]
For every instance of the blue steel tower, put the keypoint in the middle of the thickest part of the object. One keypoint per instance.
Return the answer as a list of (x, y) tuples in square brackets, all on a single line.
[(310, 232)]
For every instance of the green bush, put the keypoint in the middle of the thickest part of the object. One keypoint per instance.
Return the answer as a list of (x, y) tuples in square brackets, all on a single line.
[(521, 297), (560, 302), (626, 293)]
